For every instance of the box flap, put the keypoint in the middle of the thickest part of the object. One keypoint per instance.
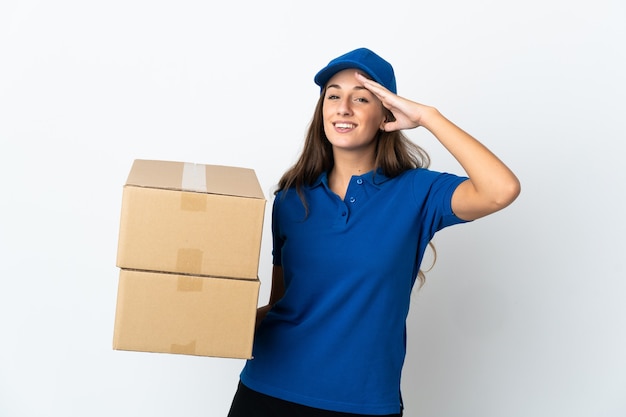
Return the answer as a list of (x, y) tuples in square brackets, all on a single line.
[(185, 176)]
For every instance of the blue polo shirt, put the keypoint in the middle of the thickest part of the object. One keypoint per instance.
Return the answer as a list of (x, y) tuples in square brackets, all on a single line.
[(336, 340)]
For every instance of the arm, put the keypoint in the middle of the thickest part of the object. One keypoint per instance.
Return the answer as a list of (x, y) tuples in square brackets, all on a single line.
[(491, 185), (276, 293)]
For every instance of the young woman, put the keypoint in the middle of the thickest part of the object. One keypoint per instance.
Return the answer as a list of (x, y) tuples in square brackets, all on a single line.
[(351, 221)]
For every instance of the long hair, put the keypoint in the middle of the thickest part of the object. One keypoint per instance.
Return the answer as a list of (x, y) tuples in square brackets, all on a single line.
[(395, 154)]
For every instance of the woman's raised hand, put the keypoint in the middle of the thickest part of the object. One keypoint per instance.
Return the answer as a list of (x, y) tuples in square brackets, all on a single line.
[(407, 114)]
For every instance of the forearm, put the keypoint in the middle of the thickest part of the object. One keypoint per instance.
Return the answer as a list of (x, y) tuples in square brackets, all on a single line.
[(261, 312), (276, 293)]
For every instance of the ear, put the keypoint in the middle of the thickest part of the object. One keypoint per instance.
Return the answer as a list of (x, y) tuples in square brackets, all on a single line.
[(387, 117), (383, 123)]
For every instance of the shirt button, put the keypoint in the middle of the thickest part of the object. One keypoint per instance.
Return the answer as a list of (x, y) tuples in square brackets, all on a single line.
[(359, 181), (352, 199), (343, 214)]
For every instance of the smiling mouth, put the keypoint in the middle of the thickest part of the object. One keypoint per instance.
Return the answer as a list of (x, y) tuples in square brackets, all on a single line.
[(344, 126)]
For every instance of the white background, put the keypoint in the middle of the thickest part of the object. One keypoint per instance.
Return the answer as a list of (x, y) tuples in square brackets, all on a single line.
[(524, 313)]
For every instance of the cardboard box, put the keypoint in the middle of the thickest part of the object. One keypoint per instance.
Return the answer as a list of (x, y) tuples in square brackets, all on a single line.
[(191, 218), (185, 314)]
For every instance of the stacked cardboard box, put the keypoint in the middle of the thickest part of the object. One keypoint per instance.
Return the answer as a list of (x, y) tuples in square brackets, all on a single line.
[(188, 253)]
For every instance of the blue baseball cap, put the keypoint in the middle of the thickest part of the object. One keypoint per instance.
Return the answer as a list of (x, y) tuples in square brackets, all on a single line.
[(363, 59)]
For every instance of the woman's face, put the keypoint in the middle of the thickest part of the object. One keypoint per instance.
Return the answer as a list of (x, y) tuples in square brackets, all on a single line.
[(352, 114)]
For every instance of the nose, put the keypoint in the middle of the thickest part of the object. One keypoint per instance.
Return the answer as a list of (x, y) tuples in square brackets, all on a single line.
[(343, 107)]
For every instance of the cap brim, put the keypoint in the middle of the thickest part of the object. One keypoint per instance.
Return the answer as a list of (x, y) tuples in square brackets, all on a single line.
[(325, 74)]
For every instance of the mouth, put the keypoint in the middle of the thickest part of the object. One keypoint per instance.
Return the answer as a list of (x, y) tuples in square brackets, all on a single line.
[(343, 126)]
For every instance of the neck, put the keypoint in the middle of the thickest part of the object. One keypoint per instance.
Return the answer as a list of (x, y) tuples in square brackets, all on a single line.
[(344, 169)]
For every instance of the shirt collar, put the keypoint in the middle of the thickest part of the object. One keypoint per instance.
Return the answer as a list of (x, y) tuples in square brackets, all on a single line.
[(374, 177)]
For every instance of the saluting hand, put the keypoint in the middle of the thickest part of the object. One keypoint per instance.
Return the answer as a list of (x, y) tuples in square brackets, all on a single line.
[(407, 114)]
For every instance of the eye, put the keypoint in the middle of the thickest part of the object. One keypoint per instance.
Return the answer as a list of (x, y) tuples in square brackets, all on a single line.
[(362, 100), (332, 97)]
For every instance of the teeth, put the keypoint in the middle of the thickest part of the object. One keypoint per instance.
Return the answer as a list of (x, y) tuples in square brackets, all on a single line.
[(344, 125)]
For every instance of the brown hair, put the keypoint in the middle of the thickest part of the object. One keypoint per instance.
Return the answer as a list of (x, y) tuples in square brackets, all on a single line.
[(395, 154)]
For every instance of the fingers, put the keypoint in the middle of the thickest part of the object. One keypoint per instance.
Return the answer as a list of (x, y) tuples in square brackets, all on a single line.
[(390, 100), (404, 111), (371, 85)]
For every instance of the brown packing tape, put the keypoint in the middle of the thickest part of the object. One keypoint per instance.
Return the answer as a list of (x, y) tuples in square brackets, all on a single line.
[(188, 349), (186, 283), (189, 260), (193, 201)]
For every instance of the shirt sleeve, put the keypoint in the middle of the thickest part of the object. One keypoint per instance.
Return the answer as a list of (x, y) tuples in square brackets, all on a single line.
[(433, 195)]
